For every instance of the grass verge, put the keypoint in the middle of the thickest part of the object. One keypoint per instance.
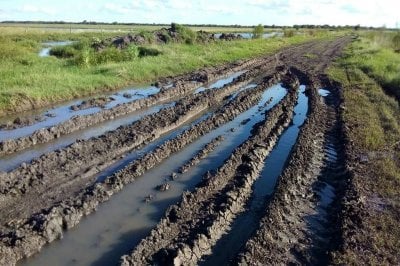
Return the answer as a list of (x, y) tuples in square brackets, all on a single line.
[(28, 81), (371, 231)]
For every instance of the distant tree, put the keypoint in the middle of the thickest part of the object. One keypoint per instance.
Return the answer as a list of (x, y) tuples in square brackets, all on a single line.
[(258, 31), (173, 26), (357, 27)]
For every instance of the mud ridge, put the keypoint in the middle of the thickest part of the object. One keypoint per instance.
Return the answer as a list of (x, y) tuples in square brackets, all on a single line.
[(25, 237), (201, 154), (93, 102), (21, 122), (191, 228)]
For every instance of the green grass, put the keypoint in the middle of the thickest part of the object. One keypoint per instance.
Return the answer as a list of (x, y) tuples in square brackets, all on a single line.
[(27, 78), (373, 118), (375, 55)]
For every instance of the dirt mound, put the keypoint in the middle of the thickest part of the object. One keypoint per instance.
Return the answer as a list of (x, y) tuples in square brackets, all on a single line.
[(230, 37), (91, 103), (177, 34), (21, 122)]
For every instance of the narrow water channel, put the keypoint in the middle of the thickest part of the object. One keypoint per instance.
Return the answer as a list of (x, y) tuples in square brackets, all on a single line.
[(245, 224), (119, 224), (220, 83)]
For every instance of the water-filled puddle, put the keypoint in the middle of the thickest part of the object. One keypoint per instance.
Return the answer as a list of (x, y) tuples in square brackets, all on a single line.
[(119, 224), (248, 35), (45, 51), (220, 83), (323, 92)]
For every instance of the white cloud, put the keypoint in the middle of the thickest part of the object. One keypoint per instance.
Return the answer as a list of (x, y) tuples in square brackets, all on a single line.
[(29, 8), (117, 8), (178, 4)]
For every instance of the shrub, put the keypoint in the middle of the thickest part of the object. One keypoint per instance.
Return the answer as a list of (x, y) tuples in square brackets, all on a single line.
[(109, 54), (89, 56), (396, 42), (258, 31), (148, 36), (85, 58), (145, 51), (131, 52), (184, 33), (165, 36), (63, 51), (288, 33)]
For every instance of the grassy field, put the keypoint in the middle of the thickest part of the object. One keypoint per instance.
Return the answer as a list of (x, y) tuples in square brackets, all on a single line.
[(369, 71), (27, 80)]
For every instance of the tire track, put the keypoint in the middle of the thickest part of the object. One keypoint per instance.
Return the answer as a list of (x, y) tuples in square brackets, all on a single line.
[(48, 225), (295, 228), (172, 240)]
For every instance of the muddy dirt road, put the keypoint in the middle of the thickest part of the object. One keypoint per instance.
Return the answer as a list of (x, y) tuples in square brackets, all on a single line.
[(243, 156)]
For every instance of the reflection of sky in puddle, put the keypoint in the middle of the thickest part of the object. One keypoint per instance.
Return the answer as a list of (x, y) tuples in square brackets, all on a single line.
[(323, 92), (220, 83)]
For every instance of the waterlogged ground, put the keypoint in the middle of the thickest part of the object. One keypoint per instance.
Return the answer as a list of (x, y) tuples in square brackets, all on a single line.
[(117, 183)]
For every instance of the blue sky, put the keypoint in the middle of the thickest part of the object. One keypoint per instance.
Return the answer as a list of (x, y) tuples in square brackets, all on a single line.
[(245, 12)]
